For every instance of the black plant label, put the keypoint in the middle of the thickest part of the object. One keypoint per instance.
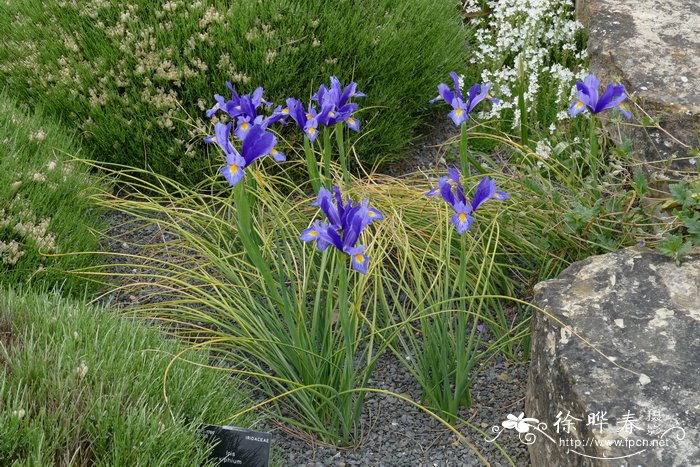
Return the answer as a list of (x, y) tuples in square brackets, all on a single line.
[(238, 446)]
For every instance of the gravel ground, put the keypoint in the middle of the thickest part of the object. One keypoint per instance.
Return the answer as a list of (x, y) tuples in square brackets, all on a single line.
[(431, 150), (398, 434), (394, 432)]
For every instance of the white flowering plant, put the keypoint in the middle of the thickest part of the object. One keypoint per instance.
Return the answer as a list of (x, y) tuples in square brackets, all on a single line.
[(532, 53)]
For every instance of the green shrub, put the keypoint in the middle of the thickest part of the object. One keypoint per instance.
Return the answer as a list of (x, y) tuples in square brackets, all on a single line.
[(82, 386), (136, 78), (45, 205)]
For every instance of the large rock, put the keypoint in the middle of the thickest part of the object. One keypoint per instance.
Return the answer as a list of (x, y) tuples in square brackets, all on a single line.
[(642, 311), (653, 47)]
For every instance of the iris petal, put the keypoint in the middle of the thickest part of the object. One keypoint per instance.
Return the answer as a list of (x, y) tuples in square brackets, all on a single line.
[(462, 220), (591, 84), (484, 191), (257, 143), (234, 170), (457, 85)]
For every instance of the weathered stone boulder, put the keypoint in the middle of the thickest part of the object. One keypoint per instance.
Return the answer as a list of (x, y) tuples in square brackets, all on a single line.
[(639, 406), (653, 47)]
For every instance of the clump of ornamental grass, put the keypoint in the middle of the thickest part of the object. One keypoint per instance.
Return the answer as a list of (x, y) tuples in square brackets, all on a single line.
[(45, 205), (286, 325), (135, 78), (304, 325), (445, 308), (82, 386), (239, 279)]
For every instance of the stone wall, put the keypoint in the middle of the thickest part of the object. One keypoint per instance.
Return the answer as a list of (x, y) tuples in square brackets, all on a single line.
[(639, 365), (653, 47)]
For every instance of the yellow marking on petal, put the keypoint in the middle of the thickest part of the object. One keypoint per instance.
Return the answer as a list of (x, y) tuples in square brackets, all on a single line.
[(238, 107), (579, 104), (285, 111), (312, 130), (351, 121), (371, 213), (274, 151), (213, 138), (233, 168), (359, 258), (622, 106), (313, 233), (331, 114), (309, 116), (244, 125), (458, 111), (462, 217)]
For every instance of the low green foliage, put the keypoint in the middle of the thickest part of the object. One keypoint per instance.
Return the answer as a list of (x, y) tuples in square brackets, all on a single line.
[(45, 205), (674, 246), (686, 209), (82, 386), (136, 78)]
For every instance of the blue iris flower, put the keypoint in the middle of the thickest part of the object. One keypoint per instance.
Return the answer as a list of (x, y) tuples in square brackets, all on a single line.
[(588, 98), (305, 119), (346, 221), (245, 105), (451, 189), (461, 106), (334, 104), (257, 143)]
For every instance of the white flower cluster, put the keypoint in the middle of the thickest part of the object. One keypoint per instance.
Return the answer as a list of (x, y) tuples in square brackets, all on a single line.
[(10, 252), (38, 233), (528, 39), (24, 226)]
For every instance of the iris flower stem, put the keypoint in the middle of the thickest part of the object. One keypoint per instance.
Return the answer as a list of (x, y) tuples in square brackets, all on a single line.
[(593, 139), (327, 152), (442, 327), (250, 242), (524, 137), (460, 331), (348, 325), (311, 166), (320, 323), (462, 387), (340, 141), (465, 155)]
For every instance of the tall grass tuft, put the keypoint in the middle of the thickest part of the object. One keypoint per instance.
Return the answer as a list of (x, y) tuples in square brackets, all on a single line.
[(307, 330), (301, 326)]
